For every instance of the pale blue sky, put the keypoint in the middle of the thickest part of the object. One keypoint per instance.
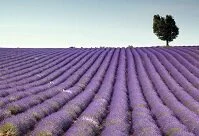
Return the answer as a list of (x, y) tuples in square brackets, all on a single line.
[(64, 23)]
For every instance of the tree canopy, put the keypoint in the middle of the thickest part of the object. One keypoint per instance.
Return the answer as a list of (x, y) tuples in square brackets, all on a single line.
[(165, 28)]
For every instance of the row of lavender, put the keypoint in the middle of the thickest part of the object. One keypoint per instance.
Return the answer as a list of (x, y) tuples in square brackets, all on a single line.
[(141, 91)]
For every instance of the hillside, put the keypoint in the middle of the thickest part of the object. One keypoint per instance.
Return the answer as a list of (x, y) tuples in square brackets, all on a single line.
[(99, 91)]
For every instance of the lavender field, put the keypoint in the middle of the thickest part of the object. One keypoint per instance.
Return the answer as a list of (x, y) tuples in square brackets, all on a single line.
[(99, 91)]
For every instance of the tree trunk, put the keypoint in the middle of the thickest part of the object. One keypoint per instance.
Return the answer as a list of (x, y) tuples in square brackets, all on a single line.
[(167, 43)]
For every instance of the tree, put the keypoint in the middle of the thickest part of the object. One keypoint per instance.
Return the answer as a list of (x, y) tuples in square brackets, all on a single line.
[(165, 28)]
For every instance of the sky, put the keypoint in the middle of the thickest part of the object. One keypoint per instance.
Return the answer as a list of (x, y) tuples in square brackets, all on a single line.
[(93, 23)]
